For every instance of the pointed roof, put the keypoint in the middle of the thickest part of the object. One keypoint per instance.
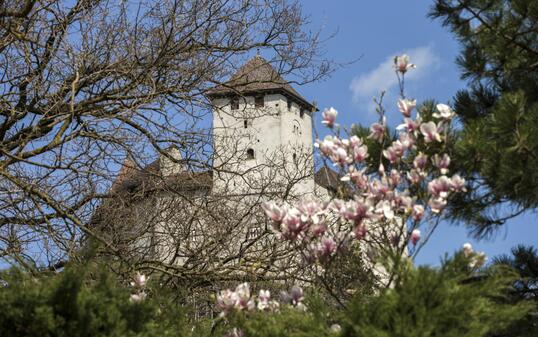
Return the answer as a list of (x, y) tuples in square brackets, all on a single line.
[(258, 76)]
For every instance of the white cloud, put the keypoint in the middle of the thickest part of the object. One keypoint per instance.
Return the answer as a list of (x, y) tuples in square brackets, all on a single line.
[(383, 78)]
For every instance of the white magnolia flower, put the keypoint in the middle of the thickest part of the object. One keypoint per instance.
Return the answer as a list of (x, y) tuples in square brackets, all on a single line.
[(139, 297), (401, 63), (329, 116), (444, 112), (139, 280), (406, 106), (467, 249)]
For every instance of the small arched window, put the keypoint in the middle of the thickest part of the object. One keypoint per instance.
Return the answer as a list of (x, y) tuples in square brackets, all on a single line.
[(250, 154), (245, 123), (296, 127)]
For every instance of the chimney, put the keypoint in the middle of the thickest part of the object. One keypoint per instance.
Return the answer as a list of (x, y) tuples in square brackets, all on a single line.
[(171, 166), (127, 170)]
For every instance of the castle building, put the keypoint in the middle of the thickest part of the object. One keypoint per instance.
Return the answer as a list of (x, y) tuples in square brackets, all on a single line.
[(211, 220)]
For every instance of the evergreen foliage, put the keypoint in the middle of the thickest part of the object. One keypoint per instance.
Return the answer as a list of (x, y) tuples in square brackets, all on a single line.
[(454, 300), (524, 260), (80, 302), (497, 148), (450, 301)]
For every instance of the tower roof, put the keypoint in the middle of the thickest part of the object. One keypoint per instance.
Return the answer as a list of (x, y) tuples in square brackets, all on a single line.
[(258, 76)]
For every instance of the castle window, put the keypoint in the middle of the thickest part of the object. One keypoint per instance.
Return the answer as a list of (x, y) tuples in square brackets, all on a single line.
[(258, 101), (245, 124), (301, 113), (234, 103), (289, 105), (294, 156), (250, 154), (254, 233), (296, 127)]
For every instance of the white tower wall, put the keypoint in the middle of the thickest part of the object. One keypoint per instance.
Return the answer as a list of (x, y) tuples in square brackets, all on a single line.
[(279, 136)]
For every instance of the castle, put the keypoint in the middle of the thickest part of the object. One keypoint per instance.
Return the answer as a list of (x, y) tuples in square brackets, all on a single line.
[(207, 224)]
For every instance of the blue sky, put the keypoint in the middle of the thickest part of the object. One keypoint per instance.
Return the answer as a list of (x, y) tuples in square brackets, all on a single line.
[(375, 31)]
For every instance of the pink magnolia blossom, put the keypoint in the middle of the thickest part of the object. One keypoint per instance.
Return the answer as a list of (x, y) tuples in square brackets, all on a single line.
[(381, 169), (418, 212), (406, 106), (415, 237), (310, 210), (443, 112), (410, 125), (440, 187), (407, 140), (326, 247), (404, 201), (437, 204), (395, 177), (377, 131), (360, 153), (294, 297), (394, 152), (340, 156), (414, 177), (360, 232), (379, 189), (291, 224), (273, 211), (420, 161), (355, 141), (391, 154), (264, 300), (401, 63), (441, 162), (457, 183), (243, 300), (356, 210), (326, 146), (226, 300), (329, 116), (357, 177), (139, 280), (430, 132)]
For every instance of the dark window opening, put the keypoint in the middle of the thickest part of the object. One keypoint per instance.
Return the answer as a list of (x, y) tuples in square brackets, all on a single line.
[(289, 105), (250, 154), (301, 113), (235, 104), (245, 123), (294, 156), (258, 101), (254, 233)]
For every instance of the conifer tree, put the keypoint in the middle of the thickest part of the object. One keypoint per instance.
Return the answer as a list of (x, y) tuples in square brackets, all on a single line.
[(496, 149), (524, 260)]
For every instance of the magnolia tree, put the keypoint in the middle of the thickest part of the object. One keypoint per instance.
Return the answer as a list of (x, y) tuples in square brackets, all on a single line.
[(389, 204)]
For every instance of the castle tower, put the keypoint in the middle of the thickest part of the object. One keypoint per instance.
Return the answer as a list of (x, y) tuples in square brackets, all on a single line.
[(262, 133)]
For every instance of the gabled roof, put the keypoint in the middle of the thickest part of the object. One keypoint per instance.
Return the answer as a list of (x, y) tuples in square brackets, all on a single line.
[(327, 178), (258, 76), (150, 179)]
